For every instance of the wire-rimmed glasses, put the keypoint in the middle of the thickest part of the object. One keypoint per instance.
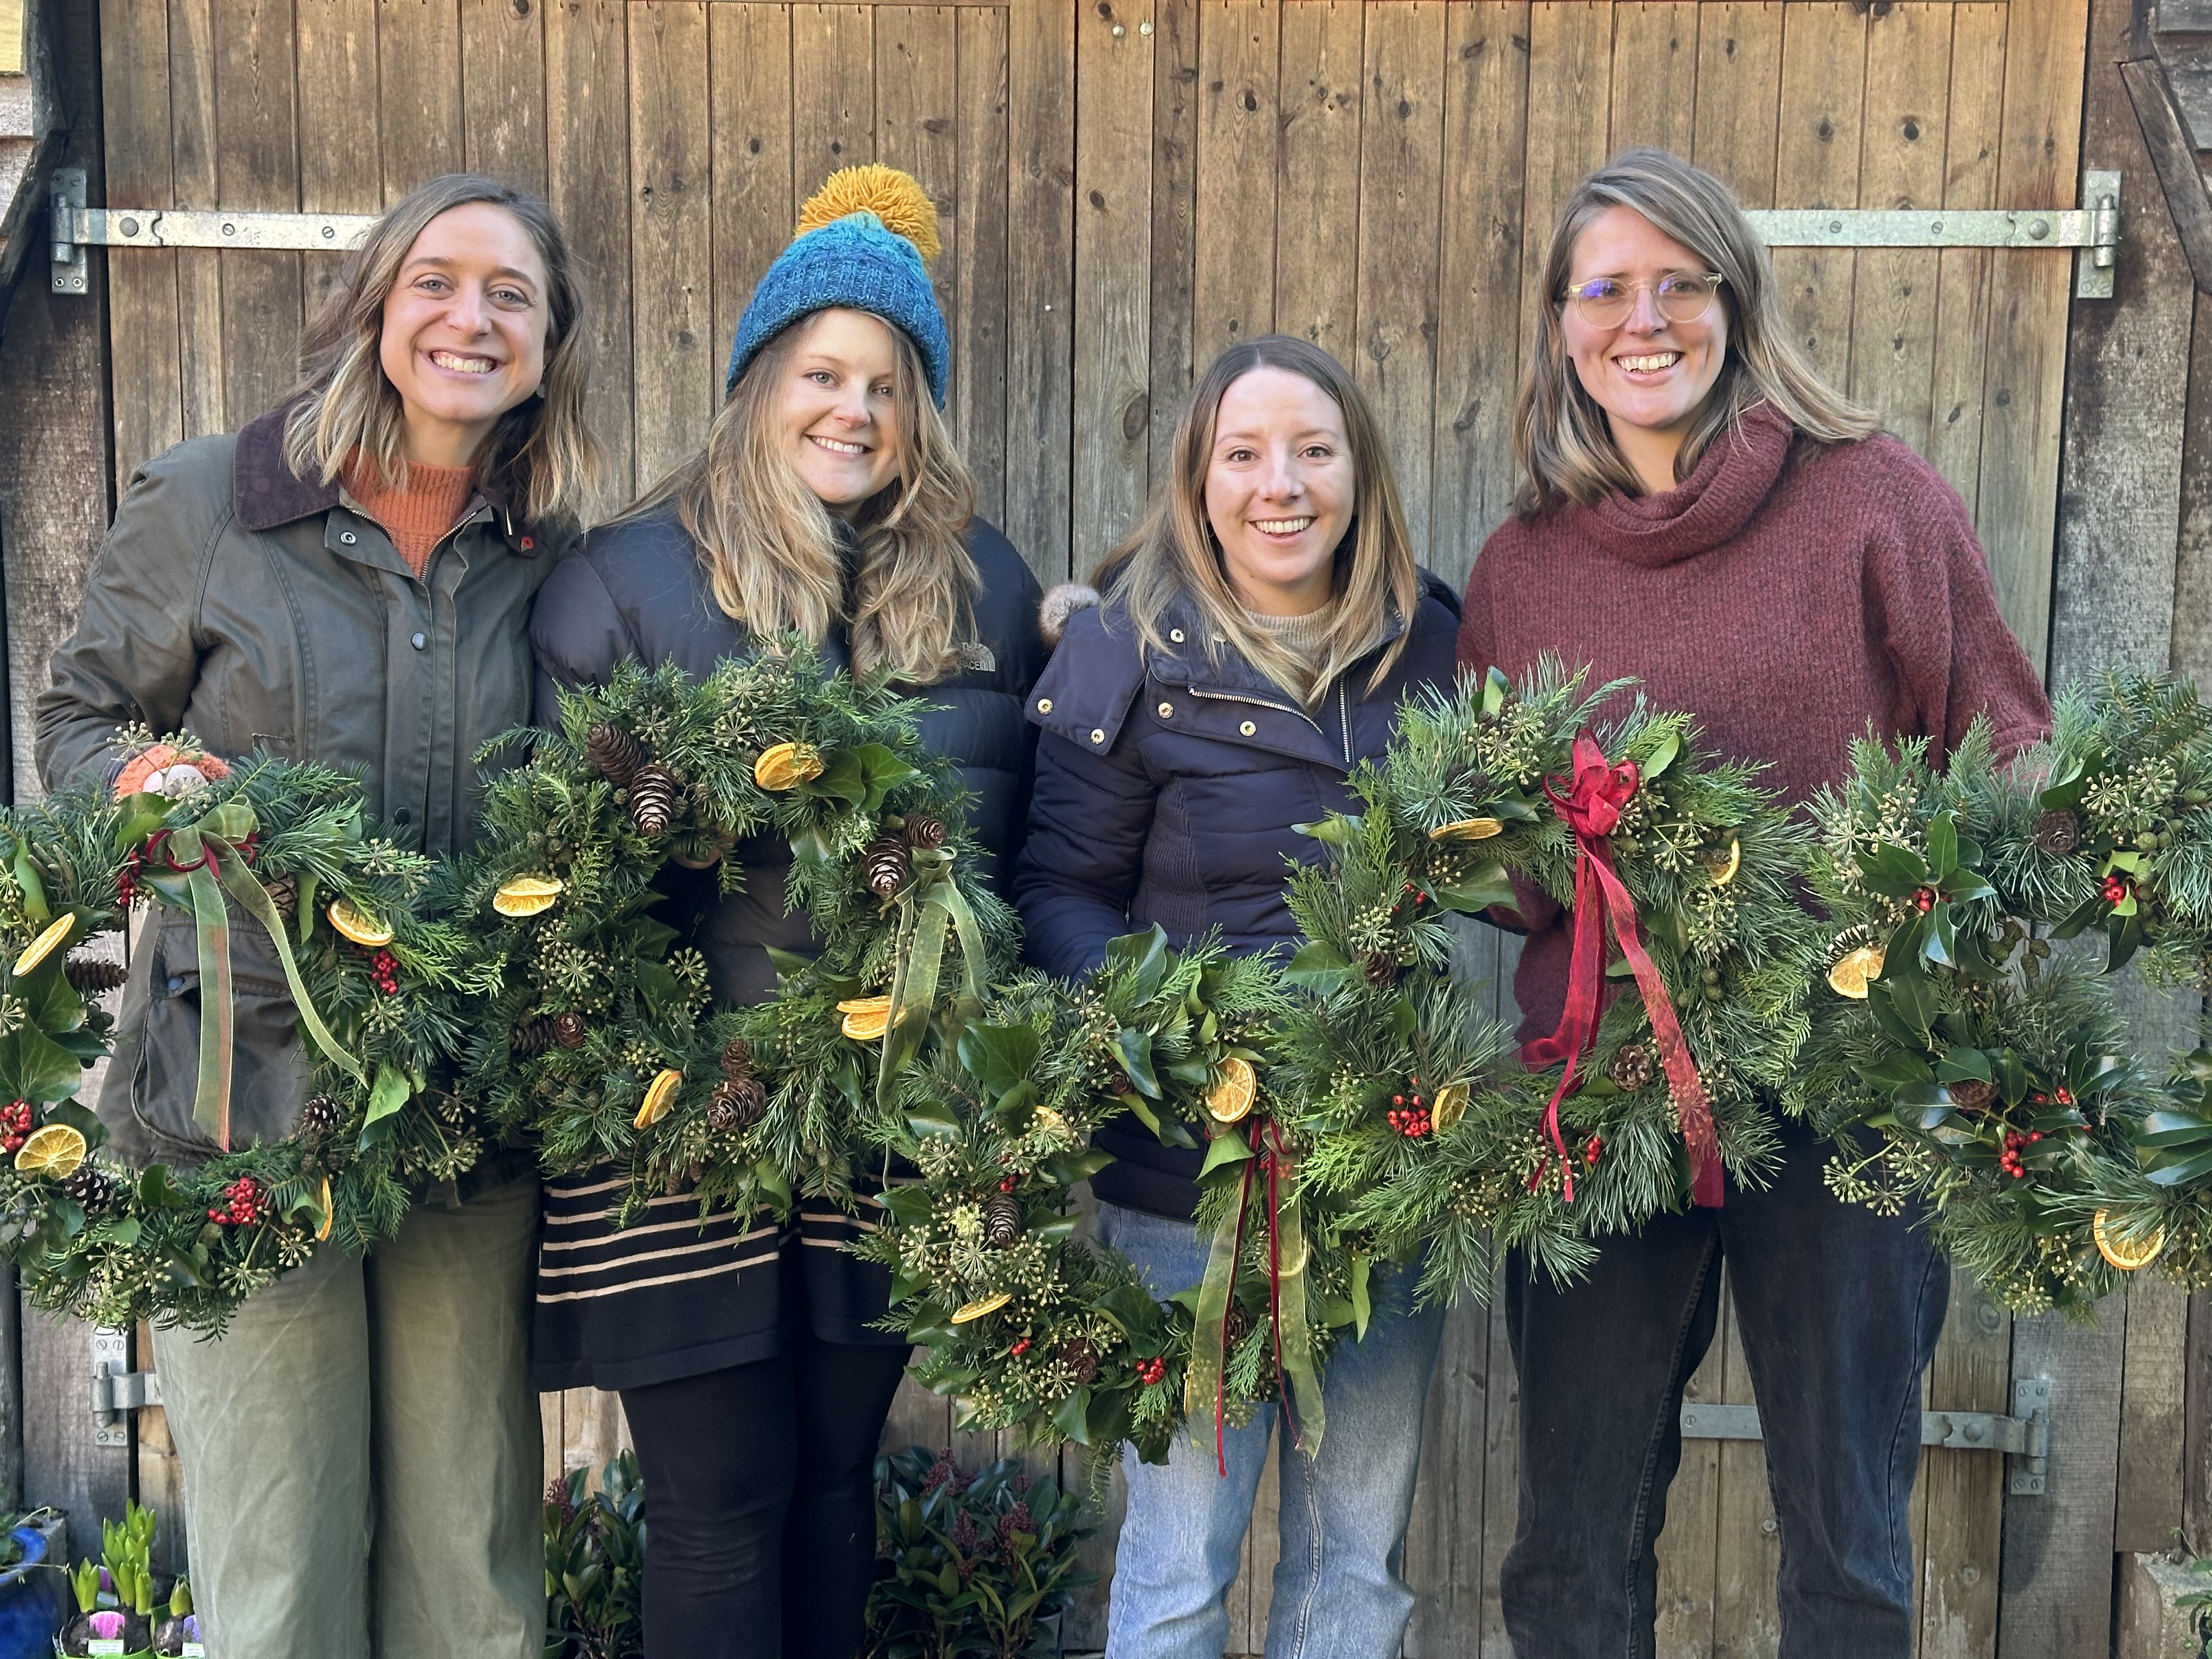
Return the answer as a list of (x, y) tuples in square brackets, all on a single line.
[(1680, 297)]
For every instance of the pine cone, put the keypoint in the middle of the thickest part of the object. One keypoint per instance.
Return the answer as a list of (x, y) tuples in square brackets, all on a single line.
[(91, 976), (1973, 1094), (655, 799), (2058, 832), (1382, 967), (883, 865), (570, 1030), (1002, 1221), (1236, 1325), (533, 1037), (1080, 1359), (925, 829), (613, 753), (737, 1104), (1633, 1068), (319, 1117), (283, 893), (736, 1058), (92, 1187)]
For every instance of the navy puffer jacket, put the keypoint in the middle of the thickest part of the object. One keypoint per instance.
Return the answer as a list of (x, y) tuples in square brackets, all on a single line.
[(1166, 789)]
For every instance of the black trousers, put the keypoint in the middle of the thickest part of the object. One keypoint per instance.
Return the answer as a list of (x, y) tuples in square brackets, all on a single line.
[(760, 1501), (1839, 1307)]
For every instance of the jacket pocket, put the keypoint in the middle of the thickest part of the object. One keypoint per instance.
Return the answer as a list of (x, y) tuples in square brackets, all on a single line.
[(268, 1072)]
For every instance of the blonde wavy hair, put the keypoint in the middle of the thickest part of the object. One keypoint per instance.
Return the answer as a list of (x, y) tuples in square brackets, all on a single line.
[(541, 455), (770, 545), (1561, 437), (1173, 550)]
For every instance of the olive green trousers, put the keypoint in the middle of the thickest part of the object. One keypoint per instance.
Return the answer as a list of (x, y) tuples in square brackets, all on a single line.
[(361, 1450)]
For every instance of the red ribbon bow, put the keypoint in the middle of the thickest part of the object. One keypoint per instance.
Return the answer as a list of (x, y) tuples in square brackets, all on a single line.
[(1591, 808)]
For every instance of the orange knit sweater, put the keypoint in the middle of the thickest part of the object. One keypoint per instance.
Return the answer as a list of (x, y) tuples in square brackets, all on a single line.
[(418, 516)]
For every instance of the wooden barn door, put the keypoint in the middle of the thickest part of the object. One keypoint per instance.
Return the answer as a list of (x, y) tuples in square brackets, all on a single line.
[(1126, 187)]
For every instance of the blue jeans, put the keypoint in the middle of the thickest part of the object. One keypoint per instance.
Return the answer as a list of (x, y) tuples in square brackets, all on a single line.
[(1840, 1309), (1338, 1594)]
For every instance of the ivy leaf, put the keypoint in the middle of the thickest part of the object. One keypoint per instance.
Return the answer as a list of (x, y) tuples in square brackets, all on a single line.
[(1135, 1048), (157, 1190), (36, 1068), (1000, 1057), (1072, 1419), (388, 1095), (1225, 1149), (1142, 955)]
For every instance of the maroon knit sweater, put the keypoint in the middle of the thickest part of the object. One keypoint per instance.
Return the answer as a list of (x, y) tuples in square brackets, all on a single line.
[(1789, 594)]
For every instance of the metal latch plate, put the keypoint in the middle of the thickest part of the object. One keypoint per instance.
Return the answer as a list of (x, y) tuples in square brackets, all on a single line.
[(117, 1389), (2024, 1435)]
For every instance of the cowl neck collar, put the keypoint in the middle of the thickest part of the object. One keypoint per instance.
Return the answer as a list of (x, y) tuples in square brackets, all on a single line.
[(1732, 479)]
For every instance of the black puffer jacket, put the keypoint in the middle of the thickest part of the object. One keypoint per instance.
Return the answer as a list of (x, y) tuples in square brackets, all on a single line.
[(671, 1298), (1167, 790)]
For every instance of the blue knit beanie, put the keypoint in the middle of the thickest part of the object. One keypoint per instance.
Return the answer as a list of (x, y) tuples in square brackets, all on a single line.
[(862, 241)]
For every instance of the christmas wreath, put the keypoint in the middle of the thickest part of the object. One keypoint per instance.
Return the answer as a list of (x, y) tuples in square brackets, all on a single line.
[(379, 973), (603, 1042)]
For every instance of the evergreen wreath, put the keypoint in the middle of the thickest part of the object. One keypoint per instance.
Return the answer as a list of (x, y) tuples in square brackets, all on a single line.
[(603, 1042), (382, 975)]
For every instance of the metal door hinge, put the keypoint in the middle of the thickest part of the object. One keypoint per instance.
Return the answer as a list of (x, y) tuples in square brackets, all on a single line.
[(116, 1389), (2025, 1435)]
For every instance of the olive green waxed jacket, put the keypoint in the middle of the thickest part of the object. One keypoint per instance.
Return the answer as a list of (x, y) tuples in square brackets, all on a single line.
[(259, 611)]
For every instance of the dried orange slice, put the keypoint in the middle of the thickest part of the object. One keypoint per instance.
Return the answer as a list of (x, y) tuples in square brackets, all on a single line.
[(1850, 977), (1723, 866), (786, 765), (1449, 1107), (526, 896), (2126, 1253), (1468, 829), (659, 1096), (53, 1152), (358, 925), (981, 1305), (1236, 1085), (56, 935), (866, 1018), (330, 1213)]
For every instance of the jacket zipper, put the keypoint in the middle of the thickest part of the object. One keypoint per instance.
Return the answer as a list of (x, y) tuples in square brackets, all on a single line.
[(1259, 702), (1343, 715)]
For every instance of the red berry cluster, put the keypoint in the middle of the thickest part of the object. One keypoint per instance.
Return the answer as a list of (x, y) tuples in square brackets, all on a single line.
[(2116, 888), (15, 1124), (244, 1203), (2064, 1096), (1019, 1348), (2009, 1159), (1409, 1114), (126, 883), (1007, 1185), (1150, 1372), (384, 969), (1593, 1149), (1925, 898), (1411, 896)]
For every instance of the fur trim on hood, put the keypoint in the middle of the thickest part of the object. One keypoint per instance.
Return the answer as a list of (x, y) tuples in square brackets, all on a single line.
[(1061, 603)]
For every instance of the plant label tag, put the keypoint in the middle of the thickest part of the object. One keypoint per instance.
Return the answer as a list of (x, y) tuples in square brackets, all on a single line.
[(195, 1651), (97, 1646)]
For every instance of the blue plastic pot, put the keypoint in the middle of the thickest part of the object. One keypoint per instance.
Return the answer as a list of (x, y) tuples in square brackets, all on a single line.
[(32, 1596)]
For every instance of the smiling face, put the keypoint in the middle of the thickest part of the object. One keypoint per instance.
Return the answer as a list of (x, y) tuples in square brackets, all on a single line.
[(838, 407), (464, 331), (1279, 490), (1650, 374)]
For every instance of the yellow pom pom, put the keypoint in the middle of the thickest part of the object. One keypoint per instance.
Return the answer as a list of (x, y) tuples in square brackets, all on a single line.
[(893, 197)]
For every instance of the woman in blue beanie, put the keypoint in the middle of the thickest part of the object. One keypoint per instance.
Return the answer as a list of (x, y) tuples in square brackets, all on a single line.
[(829, 498)]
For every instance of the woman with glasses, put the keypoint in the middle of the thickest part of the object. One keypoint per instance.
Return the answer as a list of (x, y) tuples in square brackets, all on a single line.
[(1701, 512)]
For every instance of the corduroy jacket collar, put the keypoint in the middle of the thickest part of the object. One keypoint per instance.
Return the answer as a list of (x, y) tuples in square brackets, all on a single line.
[(266, 493)]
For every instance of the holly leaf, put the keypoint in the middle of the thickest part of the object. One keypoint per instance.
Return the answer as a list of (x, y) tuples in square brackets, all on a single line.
[(1892, 870), (1942, 845)]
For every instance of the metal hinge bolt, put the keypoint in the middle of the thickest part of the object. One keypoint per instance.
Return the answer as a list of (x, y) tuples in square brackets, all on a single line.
[(116, 1389)]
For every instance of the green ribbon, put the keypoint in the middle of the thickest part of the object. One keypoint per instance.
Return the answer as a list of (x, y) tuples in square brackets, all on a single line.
[(205, 856), (926, 919)]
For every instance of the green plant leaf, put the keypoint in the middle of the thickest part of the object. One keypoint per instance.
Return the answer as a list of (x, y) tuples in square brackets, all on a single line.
[(389, 1093)]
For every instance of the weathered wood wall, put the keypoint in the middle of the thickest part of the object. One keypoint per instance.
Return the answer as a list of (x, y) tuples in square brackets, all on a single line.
[(1126, 187)]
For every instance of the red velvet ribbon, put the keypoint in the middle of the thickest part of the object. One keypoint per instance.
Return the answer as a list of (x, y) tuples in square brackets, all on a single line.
[(1591, 808)]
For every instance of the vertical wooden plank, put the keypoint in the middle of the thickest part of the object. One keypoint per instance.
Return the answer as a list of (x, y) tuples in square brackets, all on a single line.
[(1901, 165), (593, 1429), (2036, 167), (1689, 1547), (341, 165), (1083, 1627), (503, 91), (1569, 73), (1655, 86), (833, 121), (979, 326), (2191, 651), (748, 91), (1746, 1624), (1975, 119), (1739, 95), (2196, 1419), (1041, 282), (587, 180), (145, 369), (1233, 287), (2149, 1507), (258, 163), (1479, 315), (1318, 184), (1964, 1491), (1113, 239), (917, 95), (1400, 209), (199, 270), (1817, 165), (1444, 1544), (418, 49), (672, 231), (1175, 215), (1501, 1473)]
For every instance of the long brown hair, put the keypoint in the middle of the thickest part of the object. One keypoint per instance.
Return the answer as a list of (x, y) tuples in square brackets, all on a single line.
[(1173, 550), (1561, 436), (770, 546), (542, 455)]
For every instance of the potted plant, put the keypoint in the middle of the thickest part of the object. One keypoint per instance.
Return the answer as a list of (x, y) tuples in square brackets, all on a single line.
[(595, 1565), (33, 1594), (115, 1595), (970, 1565), (177, 1636)]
